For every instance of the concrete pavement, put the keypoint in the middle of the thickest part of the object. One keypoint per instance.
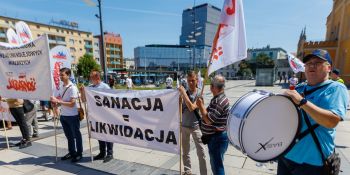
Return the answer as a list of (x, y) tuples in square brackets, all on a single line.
[(40, 158)]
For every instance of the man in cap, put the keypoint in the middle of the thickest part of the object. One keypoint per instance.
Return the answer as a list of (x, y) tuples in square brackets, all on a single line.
[(335, 76), (323, 105)]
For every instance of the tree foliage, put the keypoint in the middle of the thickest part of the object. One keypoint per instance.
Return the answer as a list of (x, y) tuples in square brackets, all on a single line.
[(85, 65), (264, 61)]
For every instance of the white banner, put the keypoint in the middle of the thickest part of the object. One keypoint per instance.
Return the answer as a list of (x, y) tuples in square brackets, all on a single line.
[(148, 119), (5, 112), (25, 71)]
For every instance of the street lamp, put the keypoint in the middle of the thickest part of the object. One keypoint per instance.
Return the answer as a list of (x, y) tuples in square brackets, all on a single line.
[(103, 51)]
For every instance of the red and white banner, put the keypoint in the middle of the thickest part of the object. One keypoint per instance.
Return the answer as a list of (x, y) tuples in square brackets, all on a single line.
[(60, 58), (5, 112), (229, 45), (25, 71), (296, 64), (148, 118)]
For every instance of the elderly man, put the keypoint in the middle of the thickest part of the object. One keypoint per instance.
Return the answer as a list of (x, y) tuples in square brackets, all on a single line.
[(214, 125), (323, 105)]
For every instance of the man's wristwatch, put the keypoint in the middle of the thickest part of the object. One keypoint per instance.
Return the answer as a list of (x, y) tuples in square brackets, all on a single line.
[(302, 102)]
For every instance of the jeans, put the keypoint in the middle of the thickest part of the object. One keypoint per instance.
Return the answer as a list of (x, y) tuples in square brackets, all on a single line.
[(103, 145), (217, 147), (288, 167), (196, 135), (18, 114), (71, 126)]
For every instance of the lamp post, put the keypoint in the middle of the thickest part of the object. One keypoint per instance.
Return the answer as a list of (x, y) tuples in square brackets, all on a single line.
[(103, 51)]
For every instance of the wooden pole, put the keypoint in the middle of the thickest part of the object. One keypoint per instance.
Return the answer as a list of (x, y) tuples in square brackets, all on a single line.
[(89, 132), (3, 122), (180, 111), (55, 117)]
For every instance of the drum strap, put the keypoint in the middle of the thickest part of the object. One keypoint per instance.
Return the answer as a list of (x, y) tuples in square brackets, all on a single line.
[(313, 134)]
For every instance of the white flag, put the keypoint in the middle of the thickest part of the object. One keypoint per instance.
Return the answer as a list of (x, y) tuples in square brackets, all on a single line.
[(229, 45), (295, 64), (12, 37), (23, 32)]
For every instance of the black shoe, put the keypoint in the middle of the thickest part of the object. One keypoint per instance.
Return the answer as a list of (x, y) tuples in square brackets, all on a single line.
[(77, 158), (66, 157), (25, 144), (19, 143), (99, 156), (35, 135), (107, 158)]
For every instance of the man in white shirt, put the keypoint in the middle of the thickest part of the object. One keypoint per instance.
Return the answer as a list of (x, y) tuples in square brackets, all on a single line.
[(129, 83), (169, 83)]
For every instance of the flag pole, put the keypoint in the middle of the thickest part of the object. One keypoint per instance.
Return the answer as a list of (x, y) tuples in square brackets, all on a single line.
[(3, 122)]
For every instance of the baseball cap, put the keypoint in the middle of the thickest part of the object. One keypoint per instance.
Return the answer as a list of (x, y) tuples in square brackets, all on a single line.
[(336, 71), (319, 53)]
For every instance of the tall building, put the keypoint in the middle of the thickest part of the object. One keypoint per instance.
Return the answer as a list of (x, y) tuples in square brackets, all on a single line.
[(59, 33), (114, 50), (337, 41), (199, 26)]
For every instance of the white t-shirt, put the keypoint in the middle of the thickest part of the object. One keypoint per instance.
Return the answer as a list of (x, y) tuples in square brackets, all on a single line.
[(128, 82), (71, 92), (169, 82)]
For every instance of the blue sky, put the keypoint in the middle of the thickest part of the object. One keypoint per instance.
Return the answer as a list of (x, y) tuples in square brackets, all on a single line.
[(140, 22)]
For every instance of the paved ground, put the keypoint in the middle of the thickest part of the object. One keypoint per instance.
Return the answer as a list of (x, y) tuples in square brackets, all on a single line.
[(40, 158)]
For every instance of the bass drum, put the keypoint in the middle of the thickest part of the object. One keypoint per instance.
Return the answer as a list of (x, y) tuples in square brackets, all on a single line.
[(263, 125)]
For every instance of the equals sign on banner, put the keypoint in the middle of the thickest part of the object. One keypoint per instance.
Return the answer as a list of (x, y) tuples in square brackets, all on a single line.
[(126, 118)]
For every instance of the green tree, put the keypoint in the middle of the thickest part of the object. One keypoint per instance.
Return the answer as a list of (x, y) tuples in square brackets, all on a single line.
[(244, 69), (85, 65), (264, 61)]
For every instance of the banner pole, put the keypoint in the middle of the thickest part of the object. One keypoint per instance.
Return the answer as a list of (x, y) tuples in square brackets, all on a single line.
[(89, 132), (180, 109), (55, 128), (3, 122)]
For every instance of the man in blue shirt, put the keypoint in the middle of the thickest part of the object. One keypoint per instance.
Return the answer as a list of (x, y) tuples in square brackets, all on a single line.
[(324, 102)]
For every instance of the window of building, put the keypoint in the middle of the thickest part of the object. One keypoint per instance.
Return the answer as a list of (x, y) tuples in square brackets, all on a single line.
[(271, 54), (79, 33), (79, 41), (81, 49), (71, 41), (57, 30), (72, 49), (7, 22), (37, 26)]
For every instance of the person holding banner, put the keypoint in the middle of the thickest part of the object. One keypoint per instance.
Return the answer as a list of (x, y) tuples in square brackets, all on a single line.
[(323, 105), (213, 127), (190, 124), (69, 117), (16, 109), (106, 148)]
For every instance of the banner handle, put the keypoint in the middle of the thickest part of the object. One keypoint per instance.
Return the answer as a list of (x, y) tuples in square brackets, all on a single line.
[(3, 122), (180, 111), (89, 132), (55, 123)]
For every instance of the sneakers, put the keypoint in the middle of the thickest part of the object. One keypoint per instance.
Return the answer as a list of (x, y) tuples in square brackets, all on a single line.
[(25, 144), (77, 158), (19, 143), (35, 135), (107, 158), (66, 157), (99, 156)]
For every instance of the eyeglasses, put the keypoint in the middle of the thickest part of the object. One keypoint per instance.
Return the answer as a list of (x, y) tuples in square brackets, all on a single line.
[(315, 64)]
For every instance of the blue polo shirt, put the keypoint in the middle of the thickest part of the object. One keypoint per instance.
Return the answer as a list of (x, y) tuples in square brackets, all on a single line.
[(334, 98)]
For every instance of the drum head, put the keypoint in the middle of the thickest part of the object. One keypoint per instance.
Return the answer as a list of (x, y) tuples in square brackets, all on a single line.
[(270, 128)]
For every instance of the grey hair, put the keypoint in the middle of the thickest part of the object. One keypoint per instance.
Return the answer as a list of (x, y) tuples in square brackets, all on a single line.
[(218, 81)]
